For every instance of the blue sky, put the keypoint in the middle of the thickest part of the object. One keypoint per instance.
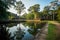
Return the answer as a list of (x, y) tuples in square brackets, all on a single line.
[(29, 3)]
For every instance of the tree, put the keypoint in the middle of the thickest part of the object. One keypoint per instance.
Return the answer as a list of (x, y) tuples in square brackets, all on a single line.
[(46, 11), (34, 9), (19, 7), (3, 9), (54, 6), (24, 15), (9, 2), (58, 11), (30, 16)]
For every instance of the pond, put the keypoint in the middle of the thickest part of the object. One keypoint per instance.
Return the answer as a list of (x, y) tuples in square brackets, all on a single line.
[(25, 30)]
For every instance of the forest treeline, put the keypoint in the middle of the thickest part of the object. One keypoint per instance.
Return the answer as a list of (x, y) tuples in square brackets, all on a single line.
[(50, 12)]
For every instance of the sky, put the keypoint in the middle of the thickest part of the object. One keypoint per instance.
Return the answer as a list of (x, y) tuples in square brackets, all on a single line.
[(29, 3)]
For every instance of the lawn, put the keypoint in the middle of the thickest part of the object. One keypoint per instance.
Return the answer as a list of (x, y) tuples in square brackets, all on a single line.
[(51, 32)]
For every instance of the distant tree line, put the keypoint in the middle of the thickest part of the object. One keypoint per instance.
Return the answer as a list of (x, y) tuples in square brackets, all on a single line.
[(50, 12)]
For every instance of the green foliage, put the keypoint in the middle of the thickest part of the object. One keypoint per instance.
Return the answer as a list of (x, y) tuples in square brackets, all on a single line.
[(4, 5), (34, 9), (58, 11), (33, 27), (30, 16), (3, 8), (46, 9), (9, 2), (19, 7)]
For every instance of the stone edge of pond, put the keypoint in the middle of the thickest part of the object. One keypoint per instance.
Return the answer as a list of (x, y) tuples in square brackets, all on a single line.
[(42, 34)]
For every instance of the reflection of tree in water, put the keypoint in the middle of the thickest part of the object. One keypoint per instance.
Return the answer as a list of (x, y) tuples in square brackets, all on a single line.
[(34, 27), (4, 34), (19, 34), (11, 24)]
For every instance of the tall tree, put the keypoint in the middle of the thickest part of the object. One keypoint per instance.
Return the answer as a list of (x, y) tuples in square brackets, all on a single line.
[(30, 16), (19, 7), (54, 6), (34, 9), (58, 11), (3, 9), (46, 11)]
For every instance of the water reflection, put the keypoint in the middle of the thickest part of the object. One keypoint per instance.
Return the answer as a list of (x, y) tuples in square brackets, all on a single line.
[(19, 34), (24, 31), (4, 34), (34, 28)]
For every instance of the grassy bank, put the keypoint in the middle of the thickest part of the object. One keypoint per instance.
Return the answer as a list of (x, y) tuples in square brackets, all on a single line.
[(51, 32)]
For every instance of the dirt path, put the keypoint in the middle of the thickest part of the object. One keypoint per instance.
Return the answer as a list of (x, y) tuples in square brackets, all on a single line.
[(56, 24), (44, 31), (42, 34)]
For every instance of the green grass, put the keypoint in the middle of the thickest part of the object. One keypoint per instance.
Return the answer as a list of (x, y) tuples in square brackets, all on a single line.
[(51, 32)]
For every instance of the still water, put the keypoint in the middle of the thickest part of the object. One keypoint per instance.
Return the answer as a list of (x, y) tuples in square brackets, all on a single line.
[(25, 30)]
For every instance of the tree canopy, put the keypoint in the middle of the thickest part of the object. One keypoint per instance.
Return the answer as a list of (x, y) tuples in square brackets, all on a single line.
[(4, 5), (19, 7), (35, 8)]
